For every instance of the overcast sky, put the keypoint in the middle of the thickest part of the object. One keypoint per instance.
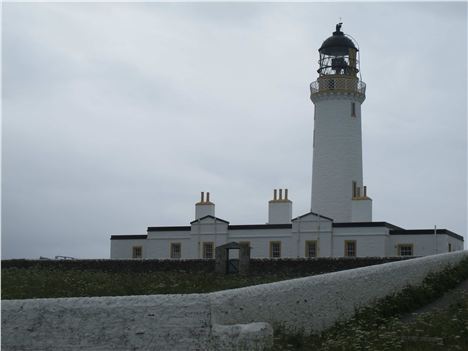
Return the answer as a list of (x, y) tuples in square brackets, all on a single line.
[(116, 116)]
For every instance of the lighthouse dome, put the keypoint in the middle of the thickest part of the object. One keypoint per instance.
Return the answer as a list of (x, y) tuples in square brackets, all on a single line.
[(338, 44)]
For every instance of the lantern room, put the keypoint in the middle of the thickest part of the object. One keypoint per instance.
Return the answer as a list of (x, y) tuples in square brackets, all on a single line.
[(338, 55), (338, 67)]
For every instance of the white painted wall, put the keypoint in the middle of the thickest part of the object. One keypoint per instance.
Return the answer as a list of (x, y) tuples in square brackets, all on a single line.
[(122, 249), (208, 229), (370, 241), (313, 227), (228, 320), (337, 154), (203, 209), (260, 241), (158, 322), (361, 210), (457, 245), (279, 211), (160, 247), (315, 303), (424, 245)]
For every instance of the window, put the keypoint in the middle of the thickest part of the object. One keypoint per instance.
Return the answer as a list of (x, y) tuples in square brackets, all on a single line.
[(137, 252), (208, 248), (311, 248), (350, 248), (405, 250), (175, 250), (275, 249), (450, 248), (353, 109)]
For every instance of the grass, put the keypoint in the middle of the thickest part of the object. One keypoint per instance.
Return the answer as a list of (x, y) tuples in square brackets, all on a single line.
[(442, 330), (50, 283), (381, 326)]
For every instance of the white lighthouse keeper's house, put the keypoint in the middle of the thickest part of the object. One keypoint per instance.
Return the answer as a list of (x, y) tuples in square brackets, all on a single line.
[(340, 222)]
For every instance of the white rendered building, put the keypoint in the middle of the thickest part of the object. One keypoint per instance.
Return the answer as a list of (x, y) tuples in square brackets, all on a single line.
[(340, 223)]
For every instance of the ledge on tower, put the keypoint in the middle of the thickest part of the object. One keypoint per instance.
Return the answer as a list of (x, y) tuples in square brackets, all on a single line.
[(339, 84)]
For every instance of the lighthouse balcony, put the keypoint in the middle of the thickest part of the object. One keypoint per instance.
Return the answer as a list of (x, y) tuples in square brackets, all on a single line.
[(337, 83)]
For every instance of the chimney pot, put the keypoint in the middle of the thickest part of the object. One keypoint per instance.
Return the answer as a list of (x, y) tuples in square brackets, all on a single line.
[(208, 197), (202, 197), (285, 194), (275, 194), (365, 191), (281, 194)]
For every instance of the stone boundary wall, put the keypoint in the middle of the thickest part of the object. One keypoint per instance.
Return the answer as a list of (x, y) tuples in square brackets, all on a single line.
[(107, 323), (312, 304), (257, 266), (238, 319), (316, 265)]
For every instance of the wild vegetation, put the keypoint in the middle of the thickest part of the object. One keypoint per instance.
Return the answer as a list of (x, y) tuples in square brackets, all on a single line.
[(385, 326), (47, 283), (24, 279)]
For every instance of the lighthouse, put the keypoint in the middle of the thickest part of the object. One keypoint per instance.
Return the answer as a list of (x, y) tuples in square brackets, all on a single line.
[(338, 190)]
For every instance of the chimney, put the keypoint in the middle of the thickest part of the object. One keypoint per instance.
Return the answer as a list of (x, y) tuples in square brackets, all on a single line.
[(204, 207), (279, 209), (361, 206)]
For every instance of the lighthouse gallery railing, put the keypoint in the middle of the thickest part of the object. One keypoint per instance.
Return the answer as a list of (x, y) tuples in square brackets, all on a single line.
[(339, 84)]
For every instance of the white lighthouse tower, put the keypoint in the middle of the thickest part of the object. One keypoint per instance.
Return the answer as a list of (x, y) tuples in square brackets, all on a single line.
[(338, 191)]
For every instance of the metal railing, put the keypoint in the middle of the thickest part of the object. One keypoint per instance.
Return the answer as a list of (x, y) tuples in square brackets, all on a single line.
[(338, 84)]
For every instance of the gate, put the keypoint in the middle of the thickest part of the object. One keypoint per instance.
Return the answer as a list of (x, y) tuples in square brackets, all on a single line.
[(232, 258), (233, 266)]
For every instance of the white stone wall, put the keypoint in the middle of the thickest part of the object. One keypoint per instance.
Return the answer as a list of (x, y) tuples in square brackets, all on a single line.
[(238, 319), (337, 155), (168, 322), (315, 303)]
